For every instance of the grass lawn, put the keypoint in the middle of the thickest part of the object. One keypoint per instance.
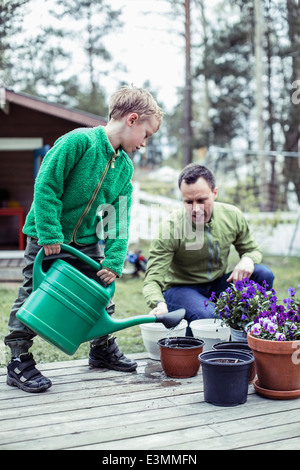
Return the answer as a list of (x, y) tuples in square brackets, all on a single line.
[(129, 302)]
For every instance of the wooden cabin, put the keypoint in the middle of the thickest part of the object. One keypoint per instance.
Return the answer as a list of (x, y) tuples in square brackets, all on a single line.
[(28, 128)]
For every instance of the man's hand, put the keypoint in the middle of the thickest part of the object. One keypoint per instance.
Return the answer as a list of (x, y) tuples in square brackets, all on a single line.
[(160, 309), (52, 249), (244, 268)]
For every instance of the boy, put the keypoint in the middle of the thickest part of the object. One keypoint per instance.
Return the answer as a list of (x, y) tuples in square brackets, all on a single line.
[(85, 170)]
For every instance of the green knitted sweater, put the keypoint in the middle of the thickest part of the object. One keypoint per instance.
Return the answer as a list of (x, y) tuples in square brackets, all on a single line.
[(80, 176)]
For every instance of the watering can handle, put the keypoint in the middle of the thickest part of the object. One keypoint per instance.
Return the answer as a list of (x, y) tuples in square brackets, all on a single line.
[(39, 274)]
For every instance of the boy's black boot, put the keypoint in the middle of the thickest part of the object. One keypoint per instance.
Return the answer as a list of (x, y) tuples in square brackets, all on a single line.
[(22, 373), (104, 352)]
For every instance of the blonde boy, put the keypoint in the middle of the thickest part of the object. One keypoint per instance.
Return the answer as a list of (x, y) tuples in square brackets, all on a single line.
[(84, 170)]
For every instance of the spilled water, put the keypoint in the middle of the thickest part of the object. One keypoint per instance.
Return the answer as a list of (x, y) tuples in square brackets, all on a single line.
[(153, 371)]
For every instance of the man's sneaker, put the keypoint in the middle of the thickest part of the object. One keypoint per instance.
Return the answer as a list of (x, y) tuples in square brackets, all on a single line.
[(108, 355), (21, 372)]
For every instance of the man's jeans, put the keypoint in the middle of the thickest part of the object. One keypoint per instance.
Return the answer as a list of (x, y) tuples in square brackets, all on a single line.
[(20, 338), (194, 298)]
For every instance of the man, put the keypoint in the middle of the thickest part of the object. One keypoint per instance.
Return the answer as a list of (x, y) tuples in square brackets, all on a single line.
[(188, 260)]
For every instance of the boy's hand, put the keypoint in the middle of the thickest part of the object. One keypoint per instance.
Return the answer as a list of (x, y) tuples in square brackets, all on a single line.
[(52, 249), (106, 275)]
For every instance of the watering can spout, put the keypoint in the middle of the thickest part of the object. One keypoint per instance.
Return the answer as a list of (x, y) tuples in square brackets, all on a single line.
[(107, 324), (171, 319)]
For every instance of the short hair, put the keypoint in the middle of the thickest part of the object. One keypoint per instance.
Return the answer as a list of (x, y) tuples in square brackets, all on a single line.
[(192, 172), (130, 99)]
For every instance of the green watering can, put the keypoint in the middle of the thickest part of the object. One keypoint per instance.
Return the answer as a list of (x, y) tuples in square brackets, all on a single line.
[(66, 308)]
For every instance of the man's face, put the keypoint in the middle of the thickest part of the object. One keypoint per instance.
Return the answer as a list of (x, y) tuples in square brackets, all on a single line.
[(198, 200)]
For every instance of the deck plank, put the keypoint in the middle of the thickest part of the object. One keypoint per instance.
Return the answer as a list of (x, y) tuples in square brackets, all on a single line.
[(106, 410)]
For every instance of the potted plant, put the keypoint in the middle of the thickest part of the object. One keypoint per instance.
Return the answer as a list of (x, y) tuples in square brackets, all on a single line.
[(239, 303), (274, 338)]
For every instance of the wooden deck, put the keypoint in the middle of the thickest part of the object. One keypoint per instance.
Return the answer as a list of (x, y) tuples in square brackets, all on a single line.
[(104, 410)]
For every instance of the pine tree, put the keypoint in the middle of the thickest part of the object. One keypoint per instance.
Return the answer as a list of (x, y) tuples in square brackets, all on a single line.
[(292, 135), (94, 20), (11, 12)]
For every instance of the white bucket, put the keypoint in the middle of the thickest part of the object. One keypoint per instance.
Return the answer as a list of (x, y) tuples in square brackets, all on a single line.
[(211, 331), (153, 332)]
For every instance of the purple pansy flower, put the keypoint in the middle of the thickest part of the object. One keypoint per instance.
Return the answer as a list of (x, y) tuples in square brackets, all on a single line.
[(247, 301), (239, 285)]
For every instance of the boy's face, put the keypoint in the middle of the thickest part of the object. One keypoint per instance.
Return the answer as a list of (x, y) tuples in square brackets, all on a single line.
[(137, 132)]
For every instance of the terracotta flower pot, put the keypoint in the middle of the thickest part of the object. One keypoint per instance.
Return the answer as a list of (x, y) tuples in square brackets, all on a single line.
[(277, 367), (179, 356)]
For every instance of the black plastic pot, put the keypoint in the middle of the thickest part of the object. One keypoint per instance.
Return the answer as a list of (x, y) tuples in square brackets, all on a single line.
[(239, 346), (226, 376)]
